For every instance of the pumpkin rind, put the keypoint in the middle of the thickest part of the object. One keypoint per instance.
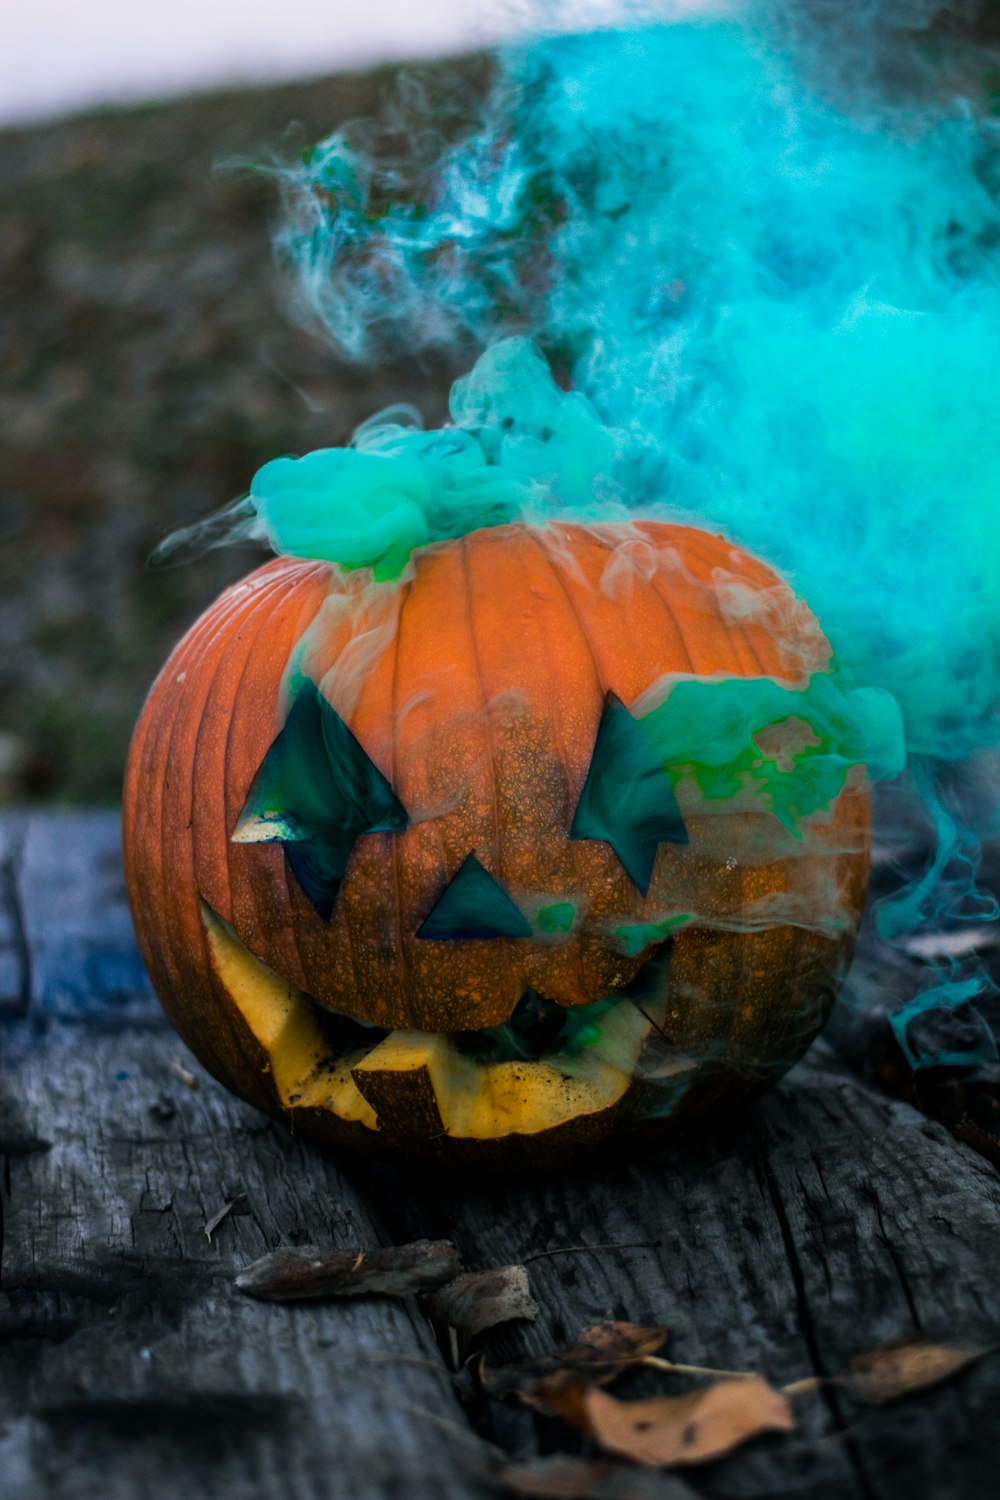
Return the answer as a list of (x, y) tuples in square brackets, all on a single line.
[(476, 687)]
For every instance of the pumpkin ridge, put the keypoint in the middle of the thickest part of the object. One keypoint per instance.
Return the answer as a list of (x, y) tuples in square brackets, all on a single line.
[(653, 584), (394, 766), (655, 587), (487, 720), (219, 625), (766, 582), (329, 949), (563, 583), (553, 674), (750, 662), (736, 631), (240, 644), (611, 632), (246, 637), (674, 613), (290, 608)]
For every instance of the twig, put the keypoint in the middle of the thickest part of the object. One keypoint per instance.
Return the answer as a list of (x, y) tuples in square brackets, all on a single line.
[(186, 1077), (213, 1223), (796, 1388), (580, 1249), (356, 1227), (655, 1025), (405, 1359), (466, 1434), (799, 1387), (657, 1363)]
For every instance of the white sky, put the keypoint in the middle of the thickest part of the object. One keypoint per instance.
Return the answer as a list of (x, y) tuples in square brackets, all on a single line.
[(57, 56)]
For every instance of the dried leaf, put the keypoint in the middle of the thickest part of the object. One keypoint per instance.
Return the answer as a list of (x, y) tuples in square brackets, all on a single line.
[(600, 1353), (482, 1299), (577, 1479), (895, 1370), (294, 1273), (213, 1223), (687, 1429)]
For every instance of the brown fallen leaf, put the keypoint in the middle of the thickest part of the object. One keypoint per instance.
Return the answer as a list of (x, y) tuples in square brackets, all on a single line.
[(895, 1370), (600, 1353), (686, 1429), (481, 1299), (295, 1273), (561, 1478)]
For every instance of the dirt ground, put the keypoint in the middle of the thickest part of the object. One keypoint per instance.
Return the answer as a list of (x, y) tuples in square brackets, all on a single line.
[(148, 369)]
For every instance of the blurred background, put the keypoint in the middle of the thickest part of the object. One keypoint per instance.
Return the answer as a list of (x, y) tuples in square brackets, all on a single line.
[(148, 366)]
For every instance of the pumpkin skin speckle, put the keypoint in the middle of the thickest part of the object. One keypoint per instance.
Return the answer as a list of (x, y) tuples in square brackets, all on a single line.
[(476, 687)]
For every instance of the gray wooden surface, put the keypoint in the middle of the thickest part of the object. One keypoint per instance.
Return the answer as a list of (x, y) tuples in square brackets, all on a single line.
[(822, 1222)]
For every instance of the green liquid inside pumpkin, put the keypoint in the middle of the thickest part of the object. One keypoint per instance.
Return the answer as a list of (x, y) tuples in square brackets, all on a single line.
[(540, 1028)]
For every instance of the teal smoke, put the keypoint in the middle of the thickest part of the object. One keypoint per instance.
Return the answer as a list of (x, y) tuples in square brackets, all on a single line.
[(776, 281)]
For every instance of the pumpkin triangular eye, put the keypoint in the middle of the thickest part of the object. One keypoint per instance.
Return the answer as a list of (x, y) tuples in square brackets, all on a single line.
[(315, 792), (628, 799), (473, 905)]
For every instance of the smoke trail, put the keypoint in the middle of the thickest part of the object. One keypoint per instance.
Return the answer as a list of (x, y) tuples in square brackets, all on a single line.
[(788, 311), (765, 249)]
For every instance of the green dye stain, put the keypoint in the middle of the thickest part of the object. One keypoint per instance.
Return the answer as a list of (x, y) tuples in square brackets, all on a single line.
[(556, 918), (788, 750), (539, 1028), (637, 936), (588, 1034), (518, 443)]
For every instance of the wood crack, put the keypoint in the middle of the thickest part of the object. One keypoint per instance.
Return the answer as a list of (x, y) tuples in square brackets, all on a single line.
[(806, 1322), (890, 1250)]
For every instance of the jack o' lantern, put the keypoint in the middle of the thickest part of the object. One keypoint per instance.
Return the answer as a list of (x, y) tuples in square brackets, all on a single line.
[(543, 840)]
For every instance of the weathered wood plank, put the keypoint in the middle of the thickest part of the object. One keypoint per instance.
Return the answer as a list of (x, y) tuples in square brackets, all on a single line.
[(83, 958), (825, 1220), (130, 1365), (890, 1229)]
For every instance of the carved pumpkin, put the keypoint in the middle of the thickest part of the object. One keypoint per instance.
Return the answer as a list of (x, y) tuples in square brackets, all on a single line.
[(408, 865)]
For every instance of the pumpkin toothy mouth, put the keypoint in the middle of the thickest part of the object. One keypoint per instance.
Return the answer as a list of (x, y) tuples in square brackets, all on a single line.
[(547, 1065)]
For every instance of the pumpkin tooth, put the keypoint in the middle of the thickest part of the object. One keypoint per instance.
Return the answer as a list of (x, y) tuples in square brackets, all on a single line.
[(282, 1019), (287, 1025), (402, 1079), (420, 1083)]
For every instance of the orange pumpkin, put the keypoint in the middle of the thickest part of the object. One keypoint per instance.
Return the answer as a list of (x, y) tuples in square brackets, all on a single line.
[(487, 977)]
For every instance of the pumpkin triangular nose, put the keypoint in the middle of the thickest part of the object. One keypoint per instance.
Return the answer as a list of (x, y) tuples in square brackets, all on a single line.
[(473, 905)]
